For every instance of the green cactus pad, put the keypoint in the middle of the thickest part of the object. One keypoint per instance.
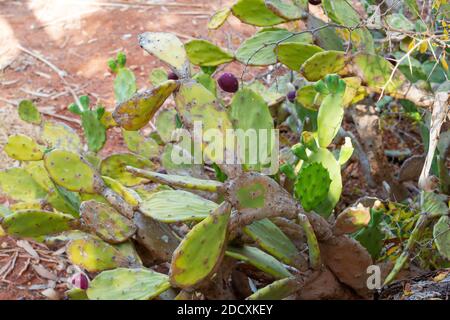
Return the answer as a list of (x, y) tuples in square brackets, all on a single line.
[(277, 290), (158, 76), (294, 54), (270, 238), (129, 195), (94, 130), (204, 53), (28, 112), (94, 255), (372, 236), (177, 205), (36, 223), (114, 167), (256, 13), (353, 91), (166, 124), (441, 234), (136, 112), (69, 170), (312, 185), (39, 174), (197, 104), (201, 250), (18, 184), (60, 136), (137, 143), (128, 284), (124, 85), (260, 260), (331, 111), (375, 71), (249, 111), (307, 97), (346, 151), (329, 162), (259, 50), (23, 148), (166, 47), (323, 63), (288, 9), (219, 18), (32, 205), (207, 81), (106, 222)]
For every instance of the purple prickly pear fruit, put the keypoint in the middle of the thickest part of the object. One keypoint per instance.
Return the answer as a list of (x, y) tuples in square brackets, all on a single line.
[(315, 2), (80, 281), (172, 76), (228, 82), (291, 96)]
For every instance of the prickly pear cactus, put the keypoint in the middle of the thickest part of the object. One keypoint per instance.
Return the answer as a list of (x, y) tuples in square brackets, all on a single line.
[(21, 147), (28, 112), (312, 185), (95, 255), (70, 171), (106, 222), (201, 250), (36, 223), (128, 284)]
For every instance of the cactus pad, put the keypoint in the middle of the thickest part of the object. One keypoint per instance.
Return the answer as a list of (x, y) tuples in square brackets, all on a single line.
[(95, 255), (312, 185), (260, 260), (177, 205), (219, 18), (166, 124), (307, 97), (124, 85), (28, 112), (329, 162), (23, 148), (249, 111), (259, 50), (39, 174), (36, 223), (201, 250), (106, 222), (137, 143), (136, 112), (114, 167), (277, 290), (60, 136), (18, 184), (256, 13), (204, 53), (331, 111), (372, 236), (441, 233), (166, 47), (288, 9), (128, 284), (294, 54), (129, 195), (323, 63), (69, 170), (270, 238)]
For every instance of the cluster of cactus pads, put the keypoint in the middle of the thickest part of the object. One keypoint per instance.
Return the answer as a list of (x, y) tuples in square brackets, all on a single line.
[(121, 218)]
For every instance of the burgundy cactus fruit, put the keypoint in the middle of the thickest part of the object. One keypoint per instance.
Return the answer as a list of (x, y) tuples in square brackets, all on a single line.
[(172, 76), (291, 96), (80, 281), (315, 2), (228, 82)]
